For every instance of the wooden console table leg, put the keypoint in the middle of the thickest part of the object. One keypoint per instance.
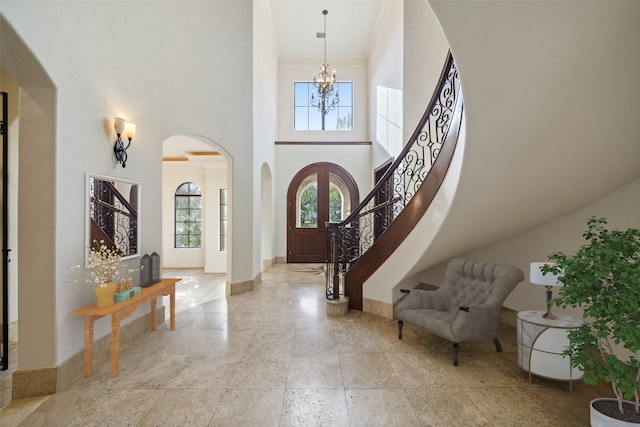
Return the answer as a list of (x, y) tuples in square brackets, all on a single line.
[(153, 313), (115, 344), (88, 345), (172, 309)]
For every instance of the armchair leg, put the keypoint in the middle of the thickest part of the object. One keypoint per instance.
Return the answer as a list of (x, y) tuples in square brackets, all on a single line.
[(400, 323), (498, 346), (455, 353)]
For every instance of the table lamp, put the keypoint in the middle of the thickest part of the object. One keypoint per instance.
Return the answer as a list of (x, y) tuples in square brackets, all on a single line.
[(548, 280)]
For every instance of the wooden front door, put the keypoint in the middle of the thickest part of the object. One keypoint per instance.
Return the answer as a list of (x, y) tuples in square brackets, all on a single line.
[(319, 193)]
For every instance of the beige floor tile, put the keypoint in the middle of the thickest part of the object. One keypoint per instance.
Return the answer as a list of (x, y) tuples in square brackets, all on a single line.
[(258, 370), (313, 342), (417, 370), (445, 407), (206, 371), (272, 341), (116, 408), (381, 407), (357, 340), (314, 407), (249, 407), (319, 372), (367, 370), (191, 408)]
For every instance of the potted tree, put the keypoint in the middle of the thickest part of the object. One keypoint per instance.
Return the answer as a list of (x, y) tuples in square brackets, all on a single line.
[(603, 279)]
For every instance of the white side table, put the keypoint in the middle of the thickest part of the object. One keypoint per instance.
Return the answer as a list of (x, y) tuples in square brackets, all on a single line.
[(540, 345)]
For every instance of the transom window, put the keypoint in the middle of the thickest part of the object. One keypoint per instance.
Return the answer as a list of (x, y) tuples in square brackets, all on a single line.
[(188, 216), (307, 117)]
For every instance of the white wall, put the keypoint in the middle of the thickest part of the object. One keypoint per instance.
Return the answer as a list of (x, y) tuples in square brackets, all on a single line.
[(385, 76), (425, 49), (158, 64), (621, 209), (265, 115)]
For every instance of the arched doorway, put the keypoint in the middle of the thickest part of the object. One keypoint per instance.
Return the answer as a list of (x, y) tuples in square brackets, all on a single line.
[(319, 193), (196, 231)]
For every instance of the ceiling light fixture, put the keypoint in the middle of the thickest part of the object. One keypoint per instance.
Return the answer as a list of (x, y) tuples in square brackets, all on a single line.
[(324, 82)]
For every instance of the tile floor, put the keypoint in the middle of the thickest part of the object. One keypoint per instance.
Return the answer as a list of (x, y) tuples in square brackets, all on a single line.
[(272, 357)]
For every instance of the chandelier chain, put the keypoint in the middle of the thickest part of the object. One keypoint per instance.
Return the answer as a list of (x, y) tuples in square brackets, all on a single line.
[(324, 83)]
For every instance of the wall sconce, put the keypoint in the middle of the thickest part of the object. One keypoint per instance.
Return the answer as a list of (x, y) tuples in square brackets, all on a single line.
[(129, 129)]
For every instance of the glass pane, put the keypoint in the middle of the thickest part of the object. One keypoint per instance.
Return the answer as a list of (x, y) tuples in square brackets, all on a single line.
[(182, 202), (223, 196), (335, 204), (180, 228), (339, 199), (223, 212), (301, 118), (193, 188), (183, 189), (195, 202), (223, 243), (223, 228), (194, 215), (181, 215), (315, 119), (301, 94), (331, 120), (307, 203), (345, 118), (195, 241), (346, 93), (181, 241)]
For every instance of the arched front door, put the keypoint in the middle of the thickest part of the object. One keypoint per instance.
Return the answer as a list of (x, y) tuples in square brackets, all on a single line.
[(319, 193)]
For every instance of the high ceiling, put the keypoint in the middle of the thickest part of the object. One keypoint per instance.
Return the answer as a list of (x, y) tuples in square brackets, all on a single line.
[(351, 25)]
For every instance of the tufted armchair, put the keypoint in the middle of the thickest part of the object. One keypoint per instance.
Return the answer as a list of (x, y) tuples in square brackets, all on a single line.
[(466, 306)]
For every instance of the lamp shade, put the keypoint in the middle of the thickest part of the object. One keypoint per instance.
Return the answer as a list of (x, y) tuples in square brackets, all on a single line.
[(119, 125), (537, 277), (130, 130)]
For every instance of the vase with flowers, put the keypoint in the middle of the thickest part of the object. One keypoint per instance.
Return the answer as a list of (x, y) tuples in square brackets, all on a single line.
[(103, 270)]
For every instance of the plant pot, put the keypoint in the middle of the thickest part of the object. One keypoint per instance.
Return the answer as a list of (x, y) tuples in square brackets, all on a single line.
[(598, 419), (104, 295)]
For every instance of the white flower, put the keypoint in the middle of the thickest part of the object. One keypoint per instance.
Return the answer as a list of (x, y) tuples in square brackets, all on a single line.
[(104, 264)]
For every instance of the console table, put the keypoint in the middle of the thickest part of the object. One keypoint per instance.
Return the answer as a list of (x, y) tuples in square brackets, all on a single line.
[(122, 310), (540, 345)]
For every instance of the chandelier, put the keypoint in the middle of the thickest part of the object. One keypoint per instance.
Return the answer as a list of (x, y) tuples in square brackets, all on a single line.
[(324, 83)]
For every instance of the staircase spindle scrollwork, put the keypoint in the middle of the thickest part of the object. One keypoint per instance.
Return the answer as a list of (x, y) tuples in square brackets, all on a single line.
[(348, 240)]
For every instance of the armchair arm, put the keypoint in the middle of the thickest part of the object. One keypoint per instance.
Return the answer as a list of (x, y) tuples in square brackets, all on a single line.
[(419, 298), (476, 322)]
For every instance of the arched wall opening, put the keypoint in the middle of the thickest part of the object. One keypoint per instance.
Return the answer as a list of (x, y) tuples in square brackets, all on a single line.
[(198, 159)]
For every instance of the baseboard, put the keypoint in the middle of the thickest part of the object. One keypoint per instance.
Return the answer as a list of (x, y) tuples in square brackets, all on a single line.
[(44, 381), (241, 287), (280, 260), (379, 308), (268, 263)]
